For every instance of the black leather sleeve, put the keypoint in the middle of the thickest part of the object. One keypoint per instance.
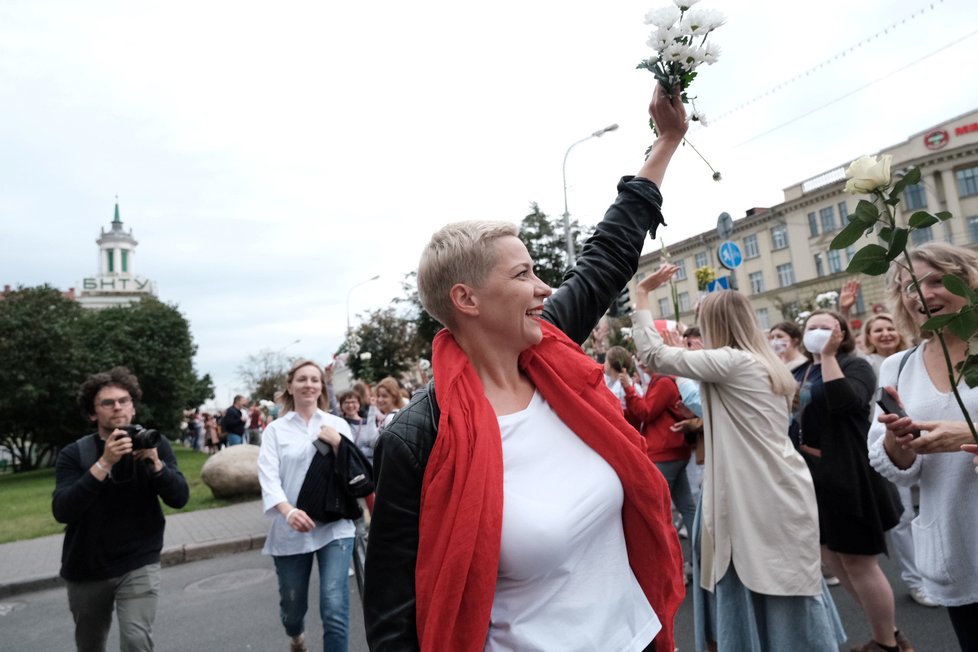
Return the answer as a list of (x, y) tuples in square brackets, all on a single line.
[(607, 262), (392, 549)]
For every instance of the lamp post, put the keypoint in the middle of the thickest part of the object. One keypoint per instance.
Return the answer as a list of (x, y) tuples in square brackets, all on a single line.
[(350, 293), (292, 343), (569, 240)]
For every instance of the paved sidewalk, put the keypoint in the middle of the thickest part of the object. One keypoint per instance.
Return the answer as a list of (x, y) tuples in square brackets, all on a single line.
[(34, 564)]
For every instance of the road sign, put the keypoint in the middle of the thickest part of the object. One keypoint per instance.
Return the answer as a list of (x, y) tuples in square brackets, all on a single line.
[(724, 226), (722, 283), (729, 255)]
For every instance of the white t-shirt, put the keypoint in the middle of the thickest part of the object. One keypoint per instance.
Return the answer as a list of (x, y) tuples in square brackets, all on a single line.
[(564, 581)]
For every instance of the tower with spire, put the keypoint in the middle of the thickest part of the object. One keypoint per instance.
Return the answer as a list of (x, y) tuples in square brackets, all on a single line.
[(115, 284)]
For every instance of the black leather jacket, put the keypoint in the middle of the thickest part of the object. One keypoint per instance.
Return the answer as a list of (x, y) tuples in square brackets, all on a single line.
[(609, 259)]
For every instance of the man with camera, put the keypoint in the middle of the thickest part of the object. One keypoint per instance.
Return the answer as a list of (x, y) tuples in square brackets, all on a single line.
[(107, 491)]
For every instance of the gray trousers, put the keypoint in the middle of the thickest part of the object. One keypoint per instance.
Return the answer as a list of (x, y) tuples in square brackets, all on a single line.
[(134, 596)]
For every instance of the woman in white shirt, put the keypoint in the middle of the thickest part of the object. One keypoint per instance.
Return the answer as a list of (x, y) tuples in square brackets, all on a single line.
[(295, 538), (945, 532), (756, 560)]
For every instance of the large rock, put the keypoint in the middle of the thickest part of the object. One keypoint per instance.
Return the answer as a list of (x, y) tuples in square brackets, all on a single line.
[(233, 471)]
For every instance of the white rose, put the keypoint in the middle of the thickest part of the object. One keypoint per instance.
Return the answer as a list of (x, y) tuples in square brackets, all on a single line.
[(868, 173)]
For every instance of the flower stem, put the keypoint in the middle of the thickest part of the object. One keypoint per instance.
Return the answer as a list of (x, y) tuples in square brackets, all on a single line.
[(716, 175)]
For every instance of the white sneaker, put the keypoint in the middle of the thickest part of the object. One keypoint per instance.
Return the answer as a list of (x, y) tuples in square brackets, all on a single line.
[(683, 532), (917, 595)]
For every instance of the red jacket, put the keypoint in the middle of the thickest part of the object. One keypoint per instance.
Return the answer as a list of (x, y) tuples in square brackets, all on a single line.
[(652, 413)]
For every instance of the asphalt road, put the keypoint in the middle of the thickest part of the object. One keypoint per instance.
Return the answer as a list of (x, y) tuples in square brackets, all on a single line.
[(231, 603)]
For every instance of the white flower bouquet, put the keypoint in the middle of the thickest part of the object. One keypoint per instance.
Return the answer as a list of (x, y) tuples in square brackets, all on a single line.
[(680, 43)]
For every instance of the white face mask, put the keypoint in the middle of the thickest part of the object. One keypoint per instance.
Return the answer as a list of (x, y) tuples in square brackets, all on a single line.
[(816, 340), (779, 345)]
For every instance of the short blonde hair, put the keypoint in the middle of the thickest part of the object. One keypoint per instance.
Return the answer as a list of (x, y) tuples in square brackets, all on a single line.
[(727, 319), (460, 252), (946, 259), (868, 346), (392, 387)]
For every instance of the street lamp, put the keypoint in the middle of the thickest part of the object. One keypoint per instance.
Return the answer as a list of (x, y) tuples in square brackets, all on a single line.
[(350, 293), (569, 240), (287, 346)]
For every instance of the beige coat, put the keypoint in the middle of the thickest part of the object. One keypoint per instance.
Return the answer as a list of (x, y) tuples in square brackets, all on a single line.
[(758, 507)]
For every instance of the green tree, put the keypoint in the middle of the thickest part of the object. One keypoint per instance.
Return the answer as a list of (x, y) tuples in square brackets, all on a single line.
[(153, 340), (425, 326), (43, 366), (389, 340), (545, 241), (264, 373)]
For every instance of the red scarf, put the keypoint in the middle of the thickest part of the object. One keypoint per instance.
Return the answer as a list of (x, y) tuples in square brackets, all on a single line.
[(462, 492)]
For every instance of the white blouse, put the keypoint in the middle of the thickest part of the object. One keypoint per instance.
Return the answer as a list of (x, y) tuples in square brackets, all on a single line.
[(285, 456)]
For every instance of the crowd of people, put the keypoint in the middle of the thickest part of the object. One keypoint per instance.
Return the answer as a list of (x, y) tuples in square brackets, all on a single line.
[(524, 499)]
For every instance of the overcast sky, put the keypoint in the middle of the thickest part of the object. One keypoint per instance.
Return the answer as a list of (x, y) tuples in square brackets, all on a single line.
[(271, 156)]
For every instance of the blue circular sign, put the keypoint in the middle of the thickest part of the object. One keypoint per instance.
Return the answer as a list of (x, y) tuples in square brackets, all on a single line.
[(729, 254)]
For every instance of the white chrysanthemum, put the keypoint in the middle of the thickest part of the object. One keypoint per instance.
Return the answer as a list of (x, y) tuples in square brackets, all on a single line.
[(711, 52), (703, 21), (700, 117), (695, 55), (661, 37), (684, 5), (675, 52), (663, 17)]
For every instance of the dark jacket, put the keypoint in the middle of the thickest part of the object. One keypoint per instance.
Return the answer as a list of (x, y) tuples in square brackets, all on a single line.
[(609, 259), (116, 525), (233, 422)]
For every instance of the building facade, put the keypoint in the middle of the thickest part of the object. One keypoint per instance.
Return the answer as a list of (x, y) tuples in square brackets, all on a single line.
[(787, 261), (116, 284)]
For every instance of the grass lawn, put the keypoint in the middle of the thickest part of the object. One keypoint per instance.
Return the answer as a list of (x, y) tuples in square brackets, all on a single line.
[(25, 512)]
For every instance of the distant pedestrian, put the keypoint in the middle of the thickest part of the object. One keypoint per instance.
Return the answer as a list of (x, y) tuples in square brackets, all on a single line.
[(294, 539), (256, 421), (234, 421), (107, 491)]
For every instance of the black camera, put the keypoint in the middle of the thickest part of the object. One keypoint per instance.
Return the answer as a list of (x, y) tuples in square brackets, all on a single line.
[(142, 438)]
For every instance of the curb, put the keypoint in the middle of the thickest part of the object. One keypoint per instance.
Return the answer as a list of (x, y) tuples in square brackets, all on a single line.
[(171, 556)]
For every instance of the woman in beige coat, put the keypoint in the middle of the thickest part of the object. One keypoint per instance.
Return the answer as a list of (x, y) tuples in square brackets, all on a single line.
[(755, 540)]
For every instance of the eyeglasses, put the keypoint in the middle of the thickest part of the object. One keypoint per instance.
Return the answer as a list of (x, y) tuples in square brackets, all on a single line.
[(910, 288), (109, 403)]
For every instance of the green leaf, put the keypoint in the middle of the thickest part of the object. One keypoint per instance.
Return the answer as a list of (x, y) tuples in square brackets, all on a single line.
[(937, 323), (897, 243), (956, 286), (944, 216), (910, 178), (886, 234), (866, 212), (965, 323), (892, 201), (849, 235), (970, 370), (922, 219), (870, 260)]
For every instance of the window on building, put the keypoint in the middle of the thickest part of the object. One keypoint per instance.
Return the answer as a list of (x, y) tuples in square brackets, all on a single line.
[(684, 304), (779, 236), (786, 275), (827, 217), (973, 228), (756, 282), (111, 260), (920, 236), (665, 309), (762, 318), (681, 272), (751, 250), (967, 181), (702, 259), (812, 224), (790, 310), (125, 260), (819, 268), (915, 197), (835, 261), (843, 213)]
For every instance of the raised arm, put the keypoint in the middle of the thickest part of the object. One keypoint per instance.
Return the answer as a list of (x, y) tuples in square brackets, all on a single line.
[(610, 256)]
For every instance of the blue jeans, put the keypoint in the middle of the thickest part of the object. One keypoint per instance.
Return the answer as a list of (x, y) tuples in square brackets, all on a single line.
[(675, 474), (234, 440), (334, 592)]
